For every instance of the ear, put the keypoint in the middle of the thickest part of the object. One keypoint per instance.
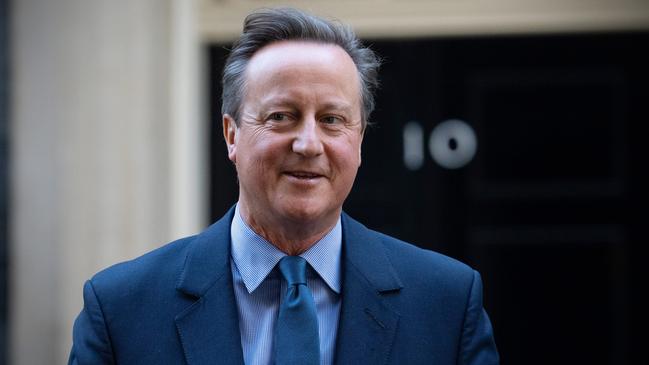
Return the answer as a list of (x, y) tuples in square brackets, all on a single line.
[(230, 130), (360, 145)]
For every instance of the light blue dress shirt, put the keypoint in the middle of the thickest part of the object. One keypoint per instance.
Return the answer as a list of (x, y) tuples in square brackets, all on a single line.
[(259, 289)]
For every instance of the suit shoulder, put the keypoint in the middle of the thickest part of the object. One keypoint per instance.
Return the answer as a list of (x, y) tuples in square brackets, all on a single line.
[(407, 259), (412, 261), (154, 265), (397, 248)]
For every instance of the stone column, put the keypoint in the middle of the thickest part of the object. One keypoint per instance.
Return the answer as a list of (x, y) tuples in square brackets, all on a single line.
[(103, 122)]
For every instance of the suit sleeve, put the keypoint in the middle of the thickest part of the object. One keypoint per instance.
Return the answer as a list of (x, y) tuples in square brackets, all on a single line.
[(91, 341), (477, 346)]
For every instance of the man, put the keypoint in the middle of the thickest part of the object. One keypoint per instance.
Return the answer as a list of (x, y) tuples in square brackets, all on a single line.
[(285, 277)]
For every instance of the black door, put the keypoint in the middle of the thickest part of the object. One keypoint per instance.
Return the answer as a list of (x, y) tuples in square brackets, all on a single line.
[(548, 206)]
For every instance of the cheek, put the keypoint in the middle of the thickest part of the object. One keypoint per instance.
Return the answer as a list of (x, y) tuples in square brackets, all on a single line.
[(347, 155), (263, 153)]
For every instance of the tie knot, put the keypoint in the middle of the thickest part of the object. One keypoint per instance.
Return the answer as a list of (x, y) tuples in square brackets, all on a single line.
[(293, 268)]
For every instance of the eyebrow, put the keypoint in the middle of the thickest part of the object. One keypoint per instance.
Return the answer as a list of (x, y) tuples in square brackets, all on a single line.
[(345, 107), (290, 102), (275, 101)]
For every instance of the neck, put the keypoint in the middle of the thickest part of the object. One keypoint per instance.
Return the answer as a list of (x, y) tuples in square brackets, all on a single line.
[(292, 238)]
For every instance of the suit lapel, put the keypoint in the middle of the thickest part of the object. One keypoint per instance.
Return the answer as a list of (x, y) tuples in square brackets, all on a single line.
[(367, 323), (209, 329)]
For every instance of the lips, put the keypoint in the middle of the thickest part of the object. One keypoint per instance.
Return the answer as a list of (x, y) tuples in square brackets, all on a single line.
[(304, 174)]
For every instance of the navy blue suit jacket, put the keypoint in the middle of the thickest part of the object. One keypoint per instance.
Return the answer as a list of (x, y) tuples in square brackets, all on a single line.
[(175, 305)]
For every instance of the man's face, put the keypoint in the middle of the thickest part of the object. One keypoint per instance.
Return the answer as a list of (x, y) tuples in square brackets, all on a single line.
[(298, 144)]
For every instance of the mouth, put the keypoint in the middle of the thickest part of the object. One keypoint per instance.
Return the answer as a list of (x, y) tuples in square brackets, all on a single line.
[(303, 175)]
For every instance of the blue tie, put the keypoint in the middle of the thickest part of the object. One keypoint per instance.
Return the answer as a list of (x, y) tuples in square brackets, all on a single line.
[(296, 335)]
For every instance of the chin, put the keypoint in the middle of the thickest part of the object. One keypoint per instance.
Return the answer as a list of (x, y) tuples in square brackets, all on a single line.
[(306, 212)]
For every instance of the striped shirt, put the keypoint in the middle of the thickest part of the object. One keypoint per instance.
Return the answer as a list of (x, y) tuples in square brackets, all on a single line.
[(259, 289)]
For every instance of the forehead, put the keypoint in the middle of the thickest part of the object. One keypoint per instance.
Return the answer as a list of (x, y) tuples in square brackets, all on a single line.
[(301, 50), (283, 60)]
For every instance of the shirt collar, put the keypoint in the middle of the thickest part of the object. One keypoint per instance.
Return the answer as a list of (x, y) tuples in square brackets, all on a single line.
[(255, 257)]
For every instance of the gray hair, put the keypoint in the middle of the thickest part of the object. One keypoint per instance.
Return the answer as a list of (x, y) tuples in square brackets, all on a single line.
[(266, 26)]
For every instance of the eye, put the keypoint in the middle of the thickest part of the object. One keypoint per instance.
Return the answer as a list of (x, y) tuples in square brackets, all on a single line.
[(278, 117), (331, 119)]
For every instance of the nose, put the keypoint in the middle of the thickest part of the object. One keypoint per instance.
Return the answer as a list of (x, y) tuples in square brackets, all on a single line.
[(307, 142)]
